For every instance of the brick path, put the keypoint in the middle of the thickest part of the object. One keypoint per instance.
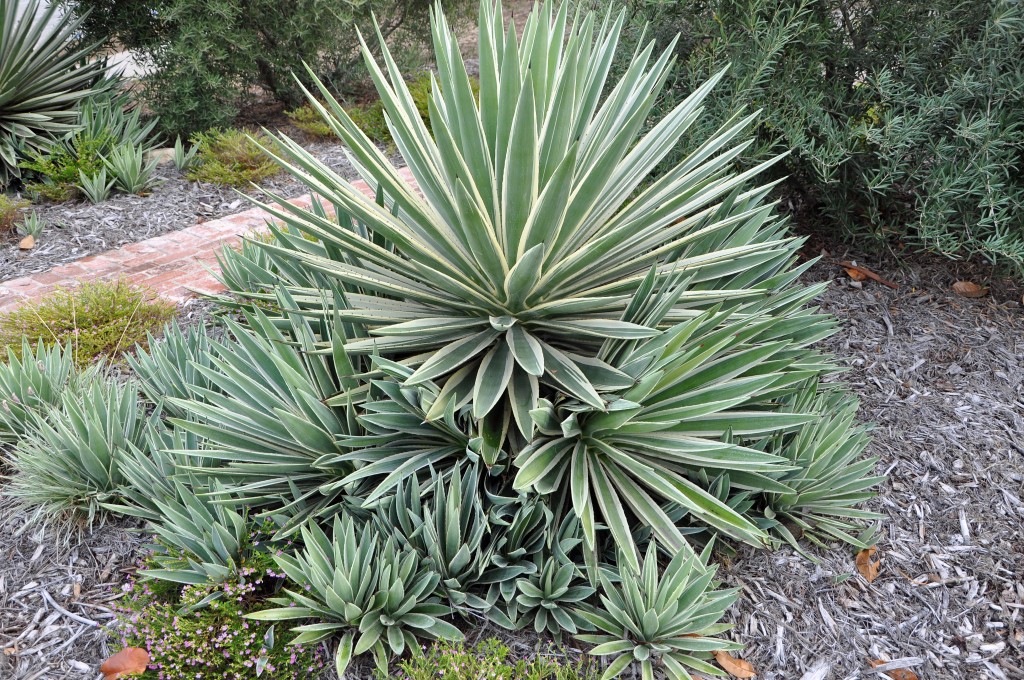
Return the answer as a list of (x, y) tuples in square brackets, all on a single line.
[(172, 265)]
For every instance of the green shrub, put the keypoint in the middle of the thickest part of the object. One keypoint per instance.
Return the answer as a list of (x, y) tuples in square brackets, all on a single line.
[(309, 121), (93, 320), (902, 118), (210, 58), (44, 78), (10, 209), (493, 660), (231, 158), (211, 632)]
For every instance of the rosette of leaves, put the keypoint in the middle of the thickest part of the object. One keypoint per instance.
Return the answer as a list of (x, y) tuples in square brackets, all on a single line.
[(270, 436), (69, 463), (447, 525), (43, 80), (549, 596), (660, 619), (199, 542), (829, 479), (540, 300), (378, 596), (173, 367), (33, 381)]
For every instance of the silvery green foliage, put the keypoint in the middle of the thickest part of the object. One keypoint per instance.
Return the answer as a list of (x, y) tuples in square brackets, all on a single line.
[(664, 619), (378, 596), (69, 462), (33, 381)]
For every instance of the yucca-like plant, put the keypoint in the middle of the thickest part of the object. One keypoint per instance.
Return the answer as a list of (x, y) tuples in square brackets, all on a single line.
[(172, 368), (34, 381), (449, 530), (69, 463), (549, 597), (661, 619), (131, 172), (262, 414), (830, 478), (97, 187), (378, 596), (200, 542), (42, 81), (540, 302)]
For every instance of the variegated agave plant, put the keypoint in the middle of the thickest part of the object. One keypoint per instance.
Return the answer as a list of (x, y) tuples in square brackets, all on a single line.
[(541, 302)]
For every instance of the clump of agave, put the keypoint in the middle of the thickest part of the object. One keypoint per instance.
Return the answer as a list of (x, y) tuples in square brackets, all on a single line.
[(486, 395), (42, 81)]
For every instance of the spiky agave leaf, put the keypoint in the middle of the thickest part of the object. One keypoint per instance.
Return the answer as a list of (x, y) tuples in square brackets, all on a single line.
[(42, 81), (446, 524), (660, 619), (34, 381), (377, 595), (272, 438)]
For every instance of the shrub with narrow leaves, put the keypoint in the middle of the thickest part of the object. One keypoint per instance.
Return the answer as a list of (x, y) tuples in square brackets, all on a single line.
[(505, 385)]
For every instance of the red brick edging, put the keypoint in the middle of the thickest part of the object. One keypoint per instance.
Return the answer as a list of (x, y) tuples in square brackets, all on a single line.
[(172, 265)]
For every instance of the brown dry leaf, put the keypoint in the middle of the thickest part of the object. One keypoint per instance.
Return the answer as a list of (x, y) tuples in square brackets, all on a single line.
[(737, 668), (856, 274), (27, 243), (868, 567), (896, 673), (969, 289), (128, 661)]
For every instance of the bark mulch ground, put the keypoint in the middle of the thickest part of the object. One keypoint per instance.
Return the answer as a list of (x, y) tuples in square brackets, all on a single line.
[(943, 379)]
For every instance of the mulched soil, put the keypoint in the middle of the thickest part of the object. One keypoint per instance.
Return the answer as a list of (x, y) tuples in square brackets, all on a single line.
[(943, 379), (78, 229)]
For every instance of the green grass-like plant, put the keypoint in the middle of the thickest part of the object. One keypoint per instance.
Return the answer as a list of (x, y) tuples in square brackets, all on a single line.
[(93, 320), (309, 121), (490, 660), (231, 158)]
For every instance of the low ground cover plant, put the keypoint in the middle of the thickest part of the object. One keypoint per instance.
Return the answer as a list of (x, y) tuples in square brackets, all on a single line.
[(540, 389), (93, 320), (491, 659), (230, 157)]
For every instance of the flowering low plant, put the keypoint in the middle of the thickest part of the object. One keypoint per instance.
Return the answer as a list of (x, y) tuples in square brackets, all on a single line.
[(188, 633)]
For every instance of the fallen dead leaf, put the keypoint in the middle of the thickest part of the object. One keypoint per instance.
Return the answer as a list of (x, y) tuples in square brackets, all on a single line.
[(856, 274), (969, 289), (867, 566), (866, 272), (895, 673), (737, 668), (129, 661), (27, 243)]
